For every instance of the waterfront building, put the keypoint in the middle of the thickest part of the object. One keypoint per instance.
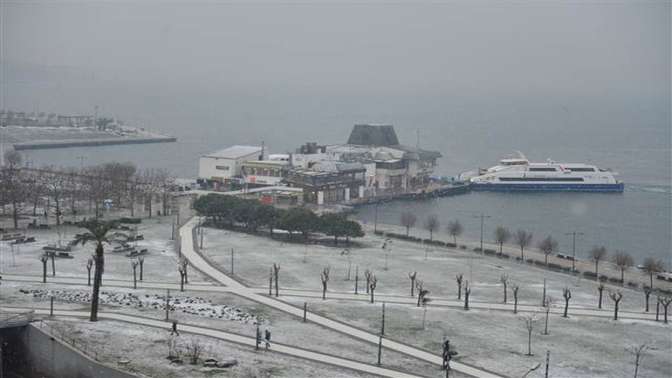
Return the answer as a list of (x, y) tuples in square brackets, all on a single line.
[(221, 167)]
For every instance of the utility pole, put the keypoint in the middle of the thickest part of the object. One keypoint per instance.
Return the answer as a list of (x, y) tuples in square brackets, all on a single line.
[(375, 219), (167, 303), (232, 261), (574, 233), (380, 348), (548, 355), (382, 324), (482, 216)]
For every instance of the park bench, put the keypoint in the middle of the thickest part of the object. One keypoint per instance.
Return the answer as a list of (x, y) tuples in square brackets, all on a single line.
[(55, 248), (24, 240)]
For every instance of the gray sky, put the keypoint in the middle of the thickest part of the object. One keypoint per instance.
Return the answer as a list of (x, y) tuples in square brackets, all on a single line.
[(550, 47)]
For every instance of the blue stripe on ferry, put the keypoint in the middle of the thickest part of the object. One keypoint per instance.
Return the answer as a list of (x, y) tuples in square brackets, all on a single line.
[(549, 187)]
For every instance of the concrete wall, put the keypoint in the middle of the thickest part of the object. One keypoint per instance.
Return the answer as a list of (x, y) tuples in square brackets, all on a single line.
[(51, 358)]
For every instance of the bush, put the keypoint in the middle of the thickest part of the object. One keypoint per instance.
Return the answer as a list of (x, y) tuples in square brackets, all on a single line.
[(451, 245), (603, 278), (504, 256), (536, 262), (477, 249), (590, 275), (378, 232), (633, 285), (463, 246), (615, 280), (130, 220), (556, 267), (489, 252)]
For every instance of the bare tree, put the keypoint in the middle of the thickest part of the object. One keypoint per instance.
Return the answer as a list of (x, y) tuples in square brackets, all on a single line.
[(455, 229), (623, 261), (141, 261), (408, 220), (651, 267), (194, 351), (502, 235), (638, 351), (56, 184), (89, 265), (665, 301), (324, 277), (44, 259), (368, 274), (134, 266), (523, 239), (647, 294), (184, 263), (529, 320), (276, 270), (549, 303), (467, 292), (412, 277), (547, 246), (422, 293), (504, 279), (432, 224), (600, 289), (13, 184), (183, 275), (567, 294), (419, 285), (597, 254), (616, 296), (373, 282), (515, 289), (459, 279)]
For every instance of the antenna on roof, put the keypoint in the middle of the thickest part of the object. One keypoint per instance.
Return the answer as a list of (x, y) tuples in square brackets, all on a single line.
[(261, 157)]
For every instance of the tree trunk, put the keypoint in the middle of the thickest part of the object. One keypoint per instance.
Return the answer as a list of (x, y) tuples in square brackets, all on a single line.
[(408, 229), (44, 271), (646, 297), (412, 287), (324, 291), (522, 256), (596, 266), (505, 293), (459, 291), (529, 342), (53, 265), (515, 303), (371, 296), (97, 280), (616, 311), (566, 306), (15, 214), (599, 303), (88, 281), (141, 270), (277, 289)]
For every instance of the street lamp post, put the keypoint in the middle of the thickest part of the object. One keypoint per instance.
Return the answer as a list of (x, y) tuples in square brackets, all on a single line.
[(574, 233), (482, 216)]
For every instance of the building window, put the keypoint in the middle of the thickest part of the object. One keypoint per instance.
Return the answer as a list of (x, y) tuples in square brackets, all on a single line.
[(222, 167)]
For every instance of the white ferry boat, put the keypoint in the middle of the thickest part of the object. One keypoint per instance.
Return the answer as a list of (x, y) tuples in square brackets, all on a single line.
[(518, 174)]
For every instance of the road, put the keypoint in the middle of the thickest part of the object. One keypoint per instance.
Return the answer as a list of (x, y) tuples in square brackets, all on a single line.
[(298, 294), (230, 337)]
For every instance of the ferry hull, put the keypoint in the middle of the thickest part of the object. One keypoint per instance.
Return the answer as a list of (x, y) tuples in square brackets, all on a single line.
[(549, 187)]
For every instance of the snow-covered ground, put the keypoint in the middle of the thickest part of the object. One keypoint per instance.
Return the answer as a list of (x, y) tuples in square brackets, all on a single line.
[(146, 349), (488, 339)]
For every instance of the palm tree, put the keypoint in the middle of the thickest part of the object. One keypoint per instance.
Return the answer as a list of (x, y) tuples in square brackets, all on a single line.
[(502, 235), (597, 254), (96, 232), (623, 261), (455, 229)]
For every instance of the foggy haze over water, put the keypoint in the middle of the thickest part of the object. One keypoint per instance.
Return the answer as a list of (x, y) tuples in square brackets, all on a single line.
[(564, 80)]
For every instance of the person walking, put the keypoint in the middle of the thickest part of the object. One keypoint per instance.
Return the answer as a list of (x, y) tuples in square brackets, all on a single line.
[(174, 329)]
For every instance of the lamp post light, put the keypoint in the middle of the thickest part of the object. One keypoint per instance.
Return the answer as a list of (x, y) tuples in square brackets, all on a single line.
[(574, 233)]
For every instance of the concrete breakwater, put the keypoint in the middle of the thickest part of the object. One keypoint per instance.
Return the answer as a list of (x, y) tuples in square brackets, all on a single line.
[(45, 144)]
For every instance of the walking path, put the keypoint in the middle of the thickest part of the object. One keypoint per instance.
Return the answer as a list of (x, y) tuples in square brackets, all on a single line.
[(230, 337), (196, 260), (341, 296)]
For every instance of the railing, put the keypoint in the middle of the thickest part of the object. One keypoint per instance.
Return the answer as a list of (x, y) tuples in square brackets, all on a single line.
[(66, 337)]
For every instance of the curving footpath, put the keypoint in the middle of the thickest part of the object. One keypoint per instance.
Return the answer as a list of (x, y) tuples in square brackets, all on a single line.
[(197, 261), (341, 296), (231, 337)]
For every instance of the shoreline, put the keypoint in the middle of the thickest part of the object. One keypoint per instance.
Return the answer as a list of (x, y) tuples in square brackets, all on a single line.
[(41, 145)]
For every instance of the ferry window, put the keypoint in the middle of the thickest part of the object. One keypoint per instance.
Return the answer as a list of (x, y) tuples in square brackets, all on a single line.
[(542, 169), (582, 169)]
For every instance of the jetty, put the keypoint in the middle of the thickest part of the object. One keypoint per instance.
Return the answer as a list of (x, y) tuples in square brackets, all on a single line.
[(65, 143)]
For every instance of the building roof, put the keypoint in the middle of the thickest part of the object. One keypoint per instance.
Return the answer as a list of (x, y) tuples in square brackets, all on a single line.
[(234, 152), (373, 135)]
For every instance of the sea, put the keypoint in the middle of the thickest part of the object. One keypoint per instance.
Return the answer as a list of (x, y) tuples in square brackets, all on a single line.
[(630, 137)]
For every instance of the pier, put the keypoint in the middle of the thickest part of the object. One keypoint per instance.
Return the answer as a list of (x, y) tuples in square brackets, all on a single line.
[(39, 145)]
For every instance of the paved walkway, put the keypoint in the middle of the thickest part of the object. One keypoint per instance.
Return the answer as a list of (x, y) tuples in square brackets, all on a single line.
[(291, 293), (231, 337), (196, 260)]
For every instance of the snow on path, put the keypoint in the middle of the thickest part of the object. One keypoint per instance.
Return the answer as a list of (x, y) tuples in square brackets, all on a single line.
[(231, 337), (196, 260)]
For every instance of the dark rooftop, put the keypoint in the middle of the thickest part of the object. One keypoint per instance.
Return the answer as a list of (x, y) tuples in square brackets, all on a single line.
[(373, 135)]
